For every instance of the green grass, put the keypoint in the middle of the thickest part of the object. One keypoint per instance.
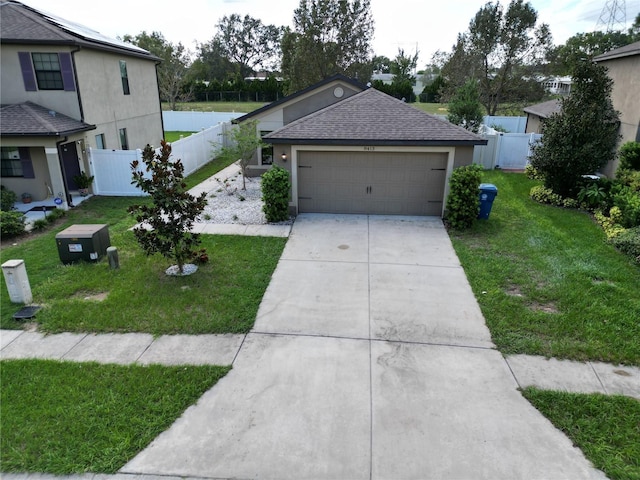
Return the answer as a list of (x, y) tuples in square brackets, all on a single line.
[(64, 418), (605, 428), (222, 297), (241, 107), (246, 107), (207, 171), (433, 108), (174, 136), (547, 281)]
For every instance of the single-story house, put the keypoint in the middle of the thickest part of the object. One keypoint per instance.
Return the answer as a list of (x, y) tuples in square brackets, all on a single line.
[(538, 113), (365, 152)]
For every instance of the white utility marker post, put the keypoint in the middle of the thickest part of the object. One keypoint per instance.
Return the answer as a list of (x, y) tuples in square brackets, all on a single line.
[(15, 275)]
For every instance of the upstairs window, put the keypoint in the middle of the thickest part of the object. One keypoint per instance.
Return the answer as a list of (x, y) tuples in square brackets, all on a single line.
[(124, 76), (48, 71)]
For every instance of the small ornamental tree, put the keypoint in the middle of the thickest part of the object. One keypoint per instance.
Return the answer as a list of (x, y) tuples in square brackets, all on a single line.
[(165, 225), (582, 138), (465, 108), (244, 144)]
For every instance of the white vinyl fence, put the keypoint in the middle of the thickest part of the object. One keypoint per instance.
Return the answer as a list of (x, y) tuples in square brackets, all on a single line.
[(195, 121), (112, 168), (505, 150)]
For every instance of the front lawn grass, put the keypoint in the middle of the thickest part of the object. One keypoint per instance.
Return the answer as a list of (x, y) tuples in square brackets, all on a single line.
[(546, 280), (64, 418), (222, 297), (605, 428)]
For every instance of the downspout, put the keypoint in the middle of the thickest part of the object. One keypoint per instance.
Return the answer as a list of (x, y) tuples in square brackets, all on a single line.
[(64, 173), (159, 100), (75, 78)]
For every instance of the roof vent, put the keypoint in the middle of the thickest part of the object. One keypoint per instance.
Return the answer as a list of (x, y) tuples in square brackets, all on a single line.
[(52, 113)]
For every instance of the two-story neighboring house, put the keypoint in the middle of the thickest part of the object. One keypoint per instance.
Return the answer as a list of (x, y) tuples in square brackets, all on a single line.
[(65, 88)]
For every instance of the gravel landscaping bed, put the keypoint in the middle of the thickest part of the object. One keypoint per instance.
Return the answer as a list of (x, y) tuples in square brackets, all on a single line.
[(228, 203)]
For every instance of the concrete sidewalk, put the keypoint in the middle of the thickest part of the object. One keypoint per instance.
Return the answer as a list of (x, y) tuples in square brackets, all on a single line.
[(144, 349)]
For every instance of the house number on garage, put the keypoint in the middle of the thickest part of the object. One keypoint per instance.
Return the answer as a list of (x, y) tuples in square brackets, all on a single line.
[(369, 149)]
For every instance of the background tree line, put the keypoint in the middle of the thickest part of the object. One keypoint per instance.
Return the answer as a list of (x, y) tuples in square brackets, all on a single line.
[(505, 50)]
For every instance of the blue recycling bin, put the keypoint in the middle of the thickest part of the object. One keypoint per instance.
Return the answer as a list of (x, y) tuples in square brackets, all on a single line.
[(488, 193)]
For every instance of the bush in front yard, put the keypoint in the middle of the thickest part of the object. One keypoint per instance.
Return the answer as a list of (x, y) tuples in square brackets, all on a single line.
[(275, 194), (7, 199), (628, 242), (463, 202), (11, 223)]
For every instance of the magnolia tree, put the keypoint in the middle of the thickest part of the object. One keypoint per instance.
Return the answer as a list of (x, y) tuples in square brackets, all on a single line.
[(165, 224)]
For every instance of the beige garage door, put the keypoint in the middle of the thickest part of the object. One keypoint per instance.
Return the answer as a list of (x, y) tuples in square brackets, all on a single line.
[(378, 183)]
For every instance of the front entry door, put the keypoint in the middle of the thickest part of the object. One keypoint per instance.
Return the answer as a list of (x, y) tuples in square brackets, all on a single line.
[(70, 164)]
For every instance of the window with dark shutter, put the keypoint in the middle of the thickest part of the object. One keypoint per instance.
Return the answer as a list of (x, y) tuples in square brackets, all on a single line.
[(66, 69), (16, 162), (28, 76), (48, 71)]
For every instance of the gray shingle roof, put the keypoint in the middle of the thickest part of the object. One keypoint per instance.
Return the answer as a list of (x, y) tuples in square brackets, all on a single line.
[(544, 109), (21, 24), (30, 119), (626, 51), (373, 118)]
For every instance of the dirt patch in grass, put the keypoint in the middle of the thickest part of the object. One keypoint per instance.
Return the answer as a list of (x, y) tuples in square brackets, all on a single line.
[(513, 291), (543, 307), (92, 296)]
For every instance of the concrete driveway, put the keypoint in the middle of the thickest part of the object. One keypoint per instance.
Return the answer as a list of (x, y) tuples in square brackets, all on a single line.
[(369, 358)]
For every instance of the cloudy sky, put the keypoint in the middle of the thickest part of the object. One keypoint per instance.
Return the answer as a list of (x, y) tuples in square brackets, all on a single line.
[(427, 25)]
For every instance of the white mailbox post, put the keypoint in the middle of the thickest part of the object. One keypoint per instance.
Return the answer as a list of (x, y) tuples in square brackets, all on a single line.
[(15, 276)]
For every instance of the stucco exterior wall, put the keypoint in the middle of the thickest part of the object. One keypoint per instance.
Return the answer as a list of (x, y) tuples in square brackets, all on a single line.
[(106, 106), (625, 73), (13, 89), (463, 156), (534, 124), (316, 100)]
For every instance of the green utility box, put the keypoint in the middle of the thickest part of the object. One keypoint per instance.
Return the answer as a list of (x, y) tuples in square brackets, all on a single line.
[(83, 242)]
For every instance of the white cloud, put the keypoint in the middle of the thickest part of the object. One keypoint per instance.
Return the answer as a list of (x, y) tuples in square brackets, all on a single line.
[(429, 25)]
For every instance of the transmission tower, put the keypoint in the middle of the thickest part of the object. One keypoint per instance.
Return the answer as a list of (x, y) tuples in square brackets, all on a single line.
[(613, 16)]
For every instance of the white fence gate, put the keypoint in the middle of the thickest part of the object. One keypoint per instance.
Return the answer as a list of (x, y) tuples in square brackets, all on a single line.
[(112, 168), (509, 151)]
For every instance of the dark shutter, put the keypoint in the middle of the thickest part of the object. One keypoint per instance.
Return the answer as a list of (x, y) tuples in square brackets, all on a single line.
[(27, 72), (25, 161), (66, 68)]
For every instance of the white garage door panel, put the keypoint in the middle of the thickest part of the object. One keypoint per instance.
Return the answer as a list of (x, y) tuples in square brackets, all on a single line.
[(371, 182)]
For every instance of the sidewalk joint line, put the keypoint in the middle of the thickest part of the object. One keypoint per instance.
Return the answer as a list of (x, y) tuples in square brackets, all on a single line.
[(506, 360), (74, 346), (604, 389), (239, 348)]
